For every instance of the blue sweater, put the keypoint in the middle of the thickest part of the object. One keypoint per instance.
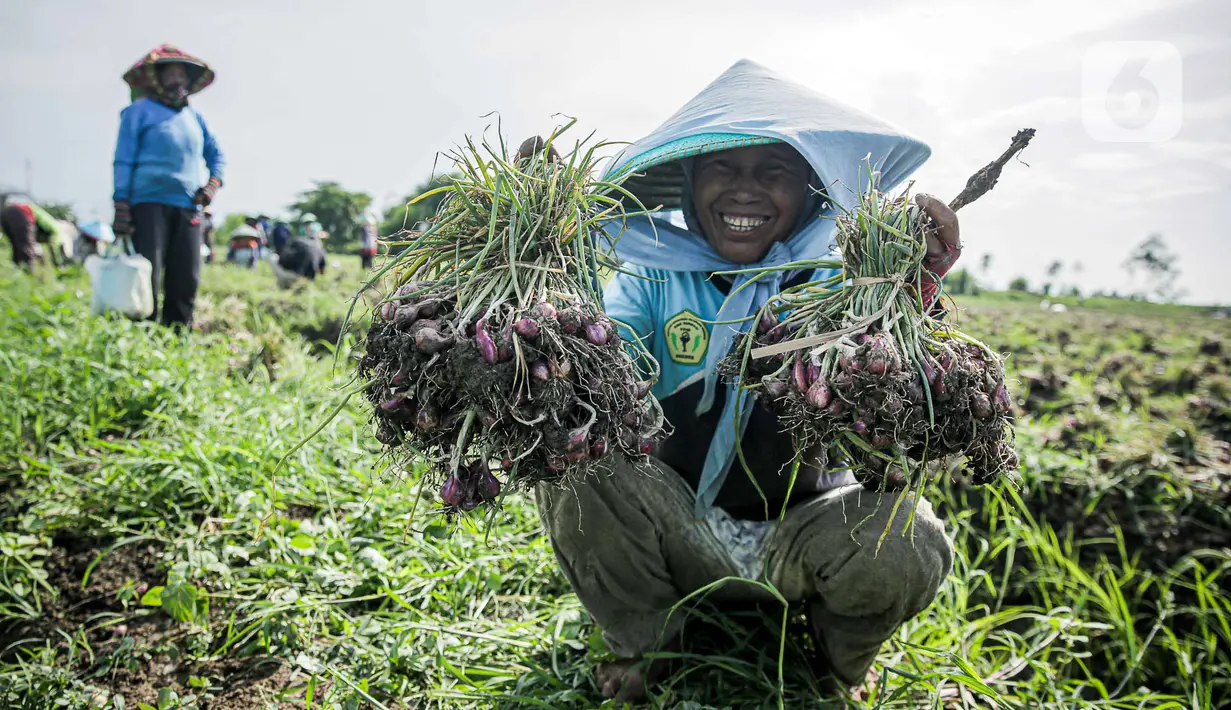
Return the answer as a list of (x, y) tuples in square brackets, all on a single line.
[(159, 153)]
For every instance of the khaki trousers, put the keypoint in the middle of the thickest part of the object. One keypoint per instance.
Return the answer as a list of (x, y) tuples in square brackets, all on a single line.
[(631, 547)]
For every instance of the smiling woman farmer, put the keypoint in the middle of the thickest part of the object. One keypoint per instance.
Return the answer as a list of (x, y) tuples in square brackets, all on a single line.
[(159, 183), (758, 167)]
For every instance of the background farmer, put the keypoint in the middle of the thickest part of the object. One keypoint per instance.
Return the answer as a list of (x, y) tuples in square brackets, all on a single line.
[(27, 226), (159, 183), (633, 545), (244, 248), (367, 242), (305, 255), (280, 236)]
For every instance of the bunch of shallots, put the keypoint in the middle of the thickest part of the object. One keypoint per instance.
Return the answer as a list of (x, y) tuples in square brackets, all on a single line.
[(494, 351), (859, 369)]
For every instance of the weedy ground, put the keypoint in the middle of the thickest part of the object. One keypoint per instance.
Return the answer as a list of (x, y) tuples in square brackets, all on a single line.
[(148, 557)]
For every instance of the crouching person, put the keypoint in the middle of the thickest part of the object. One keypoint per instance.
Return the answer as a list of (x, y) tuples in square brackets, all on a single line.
[(304, 257), (758, 167)]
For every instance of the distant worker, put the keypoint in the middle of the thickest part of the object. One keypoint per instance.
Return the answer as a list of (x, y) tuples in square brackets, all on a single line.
[(367, 244), (305, 255), (93, 237), (159, 185), (207, 236), (245, 246), (309, 227), (262, 236), (281, 236), (27, 225)]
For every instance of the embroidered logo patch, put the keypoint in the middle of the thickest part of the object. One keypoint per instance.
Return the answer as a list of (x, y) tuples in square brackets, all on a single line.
[(687, 338)]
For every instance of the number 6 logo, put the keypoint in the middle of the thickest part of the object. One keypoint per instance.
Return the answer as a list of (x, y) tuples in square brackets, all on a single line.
[(1132, 92)]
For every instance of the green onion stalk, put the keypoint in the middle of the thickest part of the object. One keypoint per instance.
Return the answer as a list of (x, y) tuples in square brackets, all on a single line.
[(866, 375), (492, 352)]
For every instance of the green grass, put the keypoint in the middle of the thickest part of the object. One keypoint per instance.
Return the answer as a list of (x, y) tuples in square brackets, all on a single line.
[(148, 552)]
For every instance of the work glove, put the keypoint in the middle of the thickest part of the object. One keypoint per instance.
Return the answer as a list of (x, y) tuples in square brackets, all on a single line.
[(205, 195), (944, 245), (122, 224)]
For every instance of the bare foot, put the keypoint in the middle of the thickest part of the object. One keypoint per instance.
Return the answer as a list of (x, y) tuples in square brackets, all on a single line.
[(626, 679), (862, 693)]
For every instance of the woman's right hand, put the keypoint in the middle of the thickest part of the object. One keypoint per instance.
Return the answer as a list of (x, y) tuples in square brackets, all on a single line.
[(122, 223)]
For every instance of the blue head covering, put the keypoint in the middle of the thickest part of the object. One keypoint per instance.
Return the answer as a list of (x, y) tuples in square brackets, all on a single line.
[(750, 105)]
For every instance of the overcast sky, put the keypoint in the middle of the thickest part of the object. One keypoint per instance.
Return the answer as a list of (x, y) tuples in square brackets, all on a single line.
[(366, 92)]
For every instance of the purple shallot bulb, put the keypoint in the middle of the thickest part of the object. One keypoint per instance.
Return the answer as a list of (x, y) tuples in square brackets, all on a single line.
[(429, 309), (800, 372), (981, 406), (485, 484), (526, 328), (452, 492), (543, 310), (431, 341), (766, 322), (1001, 398), (570, 320), (596, 334), (405, 315), (487, 346), (819, 394)]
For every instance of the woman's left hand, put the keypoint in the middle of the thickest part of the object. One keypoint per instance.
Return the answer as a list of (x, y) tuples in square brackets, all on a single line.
[(944, 236), (205, 195), (944, 245)]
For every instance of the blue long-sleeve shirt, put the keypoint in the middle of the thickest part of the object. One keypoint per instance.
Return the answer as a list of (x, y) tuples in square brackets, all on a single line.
[(163, 155)]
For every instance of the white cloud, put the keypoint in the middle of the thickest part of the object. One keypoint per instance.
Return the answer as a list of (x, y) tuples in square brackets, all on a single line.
[(1109, 161), (1043, 111), (1217, 153), (1209, 110)]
